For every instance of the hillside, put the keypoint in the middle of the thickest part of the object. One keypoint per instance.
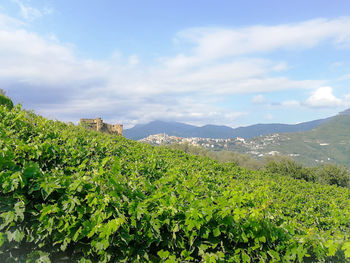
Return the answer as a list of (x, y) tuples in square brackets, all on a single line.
[(214, 131), (327, 143), (73, 195), (330, 142)]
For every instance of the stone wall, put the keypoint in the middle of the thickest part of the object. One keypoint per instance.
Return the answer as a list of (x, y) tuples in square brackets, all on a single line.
[(98, 125)]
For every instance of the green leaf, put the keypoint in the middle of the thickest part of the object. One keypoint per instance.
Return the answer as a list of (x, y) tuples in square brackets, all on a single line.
[(76, 235), (2, 239), (163, 254), (19, 209), (8, 218), (244, 237), (346, 248), (332, 247), (262, 239), (245, 257), (17, 235), (216, 232)]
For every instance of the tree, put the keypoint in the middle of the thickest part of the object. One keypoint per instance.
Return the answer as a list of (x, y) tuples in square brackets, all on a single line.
[(333, 174), (288, 167)]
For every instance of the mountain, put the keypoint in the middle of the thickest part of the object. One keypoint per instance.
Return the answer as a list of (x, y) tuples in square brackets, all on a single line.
[(346, 112), (265, 129), (329, 142), (155, 127), (216, 132)]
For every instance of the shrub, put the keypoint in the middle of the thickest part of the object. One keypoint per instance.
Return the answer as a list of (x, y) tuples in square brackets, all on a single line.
[(243, 160), (288, 167), (6, 101), (333, 174)]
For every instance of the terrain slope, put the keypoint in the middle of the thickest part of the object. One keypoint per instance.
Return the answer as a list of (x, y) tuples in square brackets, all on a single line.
[(72, 195), (330, 142)]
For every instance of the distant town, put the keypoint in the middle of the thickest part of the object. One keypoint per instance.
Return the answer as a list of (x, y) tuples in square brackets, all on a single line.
[(237, 144), (259, 147)]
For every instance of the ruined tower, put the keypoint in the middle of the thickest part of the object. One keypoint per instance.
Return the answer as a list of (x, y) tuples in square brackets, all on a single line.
[(98, 125)]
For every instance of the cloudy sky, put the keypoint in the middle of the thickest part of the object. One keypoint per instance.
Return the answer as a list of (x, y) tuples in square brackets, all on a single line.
[(221, 62)]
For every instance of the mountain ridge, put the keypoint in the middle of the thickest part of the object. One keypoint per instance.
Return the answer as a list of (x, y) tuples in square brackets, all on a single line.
[(179, 129), (328, 142)]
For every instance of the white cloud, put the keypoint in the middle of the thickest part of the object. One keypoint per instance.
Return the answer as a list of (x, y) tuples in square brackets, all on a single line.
[(323, 98), (259, 99), (291, 103), (30, 13), (133, 60), (48, 76), (7, 22), (344, 77), (268, 117), (336, 65), (219, 42), (29, 58)]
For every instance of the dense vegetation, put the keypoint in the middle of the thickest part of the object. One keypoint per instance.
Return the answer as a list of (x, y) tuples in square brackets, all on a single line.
[(4, 100), (327, 173), (68, 194), (240, 159)]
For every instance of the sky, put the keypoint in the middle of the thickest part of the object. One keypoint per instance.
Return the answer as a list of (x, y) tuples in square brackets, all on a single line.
[(232, 63)]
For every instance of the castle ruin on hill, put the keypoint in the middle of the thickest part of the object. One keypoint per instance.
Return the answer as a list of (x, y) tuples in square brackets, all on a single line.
[(98, 125)]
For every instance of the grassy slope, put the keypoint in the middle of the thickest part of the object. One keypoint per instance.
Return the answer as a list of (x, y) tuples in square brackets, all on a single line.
[(336, 133), (71, 193)]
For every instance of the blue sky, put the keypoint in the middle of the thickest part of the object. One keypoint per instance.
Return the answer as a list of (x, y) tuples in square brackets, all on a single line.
[(220, 62)]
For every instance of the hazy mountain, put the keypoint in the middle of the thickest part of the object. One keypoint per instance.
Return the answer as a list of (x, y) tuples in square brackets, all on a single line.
[(346, 112), (144, 130), (213, 131), (265, 129)]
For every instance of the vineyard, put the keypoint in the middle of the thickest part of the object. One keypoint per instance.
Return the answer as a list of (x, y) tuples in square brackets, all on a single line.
[(72, 195)]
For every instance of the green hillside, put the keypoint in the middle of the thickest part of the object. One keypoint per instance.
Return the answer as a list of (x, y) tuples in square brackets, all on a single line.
[(72, 195), (329, 142)]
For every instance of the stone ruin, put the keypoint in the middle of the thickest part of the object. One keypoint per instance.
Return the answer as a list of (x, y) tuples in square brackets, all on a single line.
[(98, 125)]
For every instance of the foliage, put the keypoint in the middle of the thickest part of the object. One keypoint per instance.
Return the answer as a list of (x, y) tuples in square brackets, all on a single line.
[(327, 174), (243, 160), (6, 101), (288, 167), (73, 195), (333, 174)]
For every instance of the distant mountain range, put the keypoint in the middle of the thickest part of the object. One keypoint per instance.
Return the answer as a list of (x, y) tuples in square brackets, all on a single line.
[(220, 132), (346, 112), (311, 143)]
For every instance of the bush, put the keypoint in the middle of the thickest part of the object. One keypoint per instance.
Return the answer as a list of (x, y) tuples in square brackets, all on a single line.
[(243, 160), (288, 167), (333, 174), (6, 101)]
